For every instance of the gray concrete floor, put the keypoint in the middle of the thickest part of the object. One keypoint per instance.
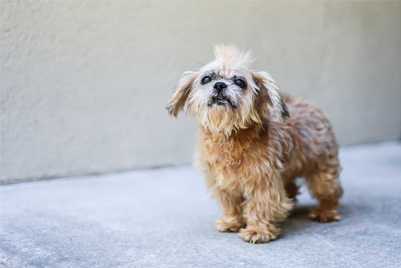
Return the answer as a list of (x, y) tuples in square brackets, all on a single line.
[(164, 218)]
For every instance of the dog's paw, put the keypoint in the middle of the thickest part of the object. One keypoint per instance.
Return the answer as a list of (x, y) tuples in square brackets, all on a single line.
[(322, 215), (255, 235), (228, 225)]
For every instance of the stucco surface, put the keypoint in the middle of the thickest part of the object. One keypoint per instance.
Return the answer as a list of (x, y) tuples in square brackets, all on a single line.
[(84, 83)]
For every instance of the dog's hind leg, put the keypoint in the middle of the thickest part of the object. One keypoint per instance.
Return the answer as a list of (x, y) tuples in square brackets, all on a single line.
[(324, 184)]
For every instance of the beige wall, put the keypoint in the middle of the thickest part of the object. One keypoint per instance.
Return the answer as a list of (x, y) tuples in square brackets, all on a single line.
[(84, 83)]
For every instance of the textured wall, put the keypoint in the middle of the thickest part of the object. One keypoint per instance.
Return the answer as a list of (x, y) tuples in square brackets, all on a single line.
[(84, 83)]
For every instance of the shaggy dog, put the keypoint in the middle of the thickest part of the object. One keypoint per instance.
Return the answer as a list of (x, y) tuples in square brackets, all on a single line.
[(254, 143)]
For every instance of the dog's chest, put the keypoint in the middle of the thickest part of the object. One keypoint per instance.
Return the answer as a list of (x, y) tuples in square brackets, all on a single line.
[(230, 161)]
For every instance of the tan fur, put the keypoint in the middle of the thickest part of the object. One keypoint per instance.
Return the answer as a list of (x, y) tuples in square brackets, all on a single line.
[(252, 154)]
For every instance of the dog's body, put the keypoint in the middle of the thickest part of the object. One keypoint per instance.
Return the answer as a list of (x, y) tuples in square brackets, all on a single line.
[(250, 153)]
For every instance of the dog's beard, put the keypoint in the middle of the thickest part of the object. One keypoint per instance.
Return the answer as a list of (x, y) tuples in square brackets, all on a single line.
[(224, 119), (219, 119)]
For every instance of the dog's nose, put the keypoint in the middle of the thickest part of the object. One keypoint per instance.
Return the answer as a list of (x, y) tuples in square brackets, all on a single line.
[(219, 86)]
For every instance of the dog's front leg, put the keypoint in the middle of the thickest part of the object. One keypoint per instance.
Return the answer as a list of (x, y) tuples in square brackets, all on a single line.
[(232, 220), (267, 204)]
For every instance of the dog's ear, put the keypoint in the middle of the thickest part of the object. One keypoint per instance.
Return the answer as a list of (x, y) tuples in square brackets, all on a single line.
[(269, 92), (178, 100)]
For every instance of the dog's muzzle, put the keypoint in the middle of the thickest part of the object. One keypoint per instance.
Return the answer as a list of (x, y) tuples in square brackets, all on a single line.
[(221, 100)]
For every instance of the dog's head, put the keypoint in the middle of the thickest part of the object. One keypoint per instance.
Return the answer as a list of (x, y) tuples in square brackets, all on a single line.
[(226, 94)]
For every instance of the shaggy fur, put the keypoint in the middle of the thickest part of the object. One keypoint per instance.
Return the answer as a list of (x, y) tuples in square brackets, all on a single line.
[(254, 143)]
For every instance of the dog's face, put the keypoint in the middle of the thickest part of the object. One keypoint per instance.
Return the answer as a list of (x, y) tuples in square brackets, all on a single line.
[(226, 95)]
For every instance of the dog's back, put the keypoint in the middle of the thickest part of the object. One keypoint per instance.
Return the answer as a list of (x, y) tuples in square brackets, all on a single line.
[(310, 150)]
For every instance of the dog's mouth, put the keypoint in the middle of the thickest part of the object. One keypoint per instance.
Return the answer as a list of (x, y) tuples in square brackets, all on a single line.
[(221, 101)]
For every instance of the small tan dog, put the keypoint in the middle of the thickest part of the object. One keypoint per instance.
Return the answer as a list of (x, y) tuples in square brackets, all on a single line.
[(252, 150)]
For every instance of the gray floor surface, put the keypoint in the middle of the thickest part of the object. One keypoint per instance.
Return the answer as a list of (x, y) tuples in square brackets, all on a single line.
[(164, 218)]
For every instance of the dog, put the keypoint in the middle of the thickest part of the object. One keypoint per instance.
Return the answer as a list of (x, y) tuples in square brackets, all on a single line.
[(254, 143)]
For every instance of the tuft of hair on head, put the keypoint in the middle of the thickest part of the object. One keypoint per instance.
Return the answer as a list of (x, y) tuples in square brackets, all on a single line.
[(230, 55)]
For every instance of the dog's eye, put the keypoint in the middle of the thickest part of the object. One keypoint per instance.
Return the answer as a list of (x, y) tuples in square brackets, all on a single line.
[(206, 79), (240, 83)]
